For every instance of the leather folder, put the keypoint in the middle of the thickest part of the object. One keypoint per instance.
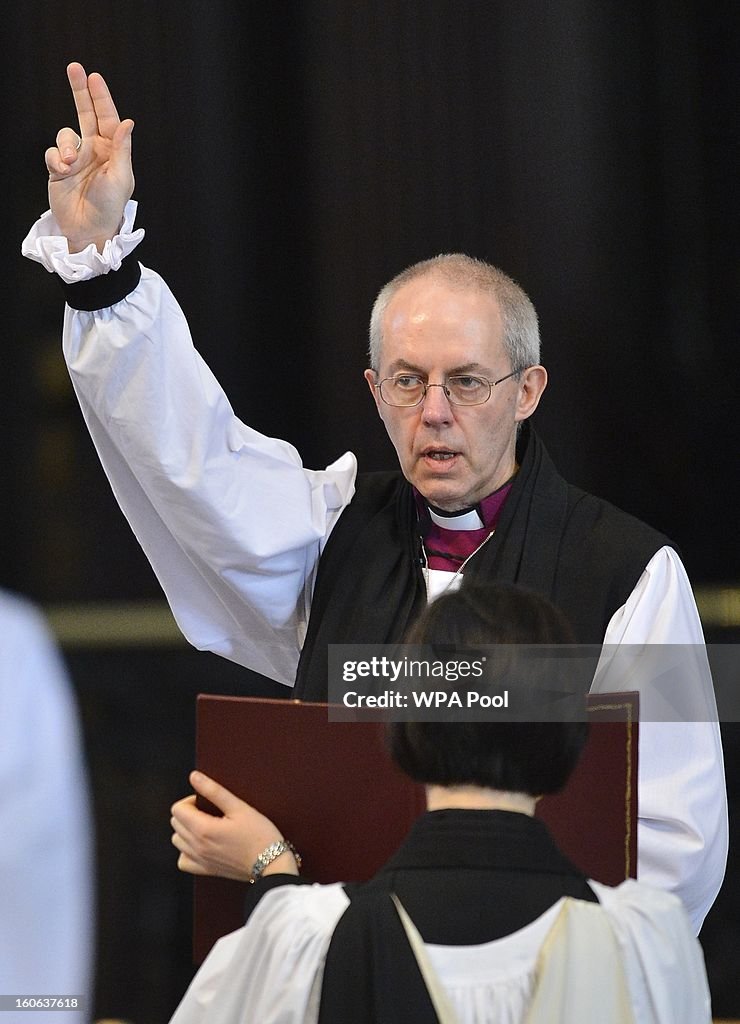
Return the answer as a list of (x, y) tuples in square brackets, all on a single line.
[(333, 790)]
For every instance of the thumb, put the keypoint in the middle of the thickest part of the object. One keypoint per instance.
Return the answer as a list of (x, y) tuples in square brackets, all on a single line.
[(218, 795)]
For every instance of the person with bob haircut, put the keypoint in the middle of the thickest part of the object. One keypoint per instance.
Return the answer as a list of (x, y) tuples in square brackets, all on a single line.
[(477, 917)]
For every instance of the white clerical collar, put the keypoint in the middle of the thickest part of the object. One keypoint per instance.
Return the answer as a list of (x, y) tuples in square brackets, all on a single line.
[(469, 520)]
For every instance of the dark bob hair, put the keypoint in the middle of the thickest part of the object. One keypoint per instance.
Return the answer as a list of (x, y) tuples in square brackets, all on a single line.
[(519, 757)]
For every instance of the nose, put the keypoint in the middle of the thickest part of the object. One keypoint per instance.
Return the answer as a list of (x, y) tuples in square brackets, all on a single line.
[(435, 406)]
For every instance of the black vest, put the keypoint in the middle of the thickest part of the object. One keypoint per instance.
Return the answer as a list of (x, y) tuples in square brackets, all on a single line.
[(582, 553)]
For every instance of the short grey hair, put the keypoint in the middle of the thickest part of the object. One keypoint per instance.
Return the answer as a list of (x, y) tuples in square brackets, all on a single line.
[(521, 328)]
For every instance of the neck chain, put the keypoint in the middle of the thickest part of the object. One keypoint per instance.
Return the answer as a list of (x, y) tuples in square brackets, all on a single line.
[(454, 575)]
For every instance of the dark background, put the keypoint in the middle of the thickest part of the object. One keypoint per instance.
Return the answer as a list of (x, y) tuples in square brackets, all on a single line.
[(290, 158)]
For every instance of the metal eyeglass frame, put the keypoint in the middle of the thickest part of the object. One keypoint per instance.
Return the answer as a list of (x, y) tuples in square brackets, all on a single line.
[(412, 405)]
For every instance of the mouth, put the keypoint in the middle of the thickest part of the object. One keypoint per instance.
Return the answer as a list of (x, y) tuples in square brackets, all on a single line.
[(439, 456)]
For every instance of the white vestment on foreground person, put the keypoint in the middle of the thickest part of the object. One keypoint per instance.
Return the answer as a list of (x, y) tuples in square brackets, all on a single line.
[(631, 952)]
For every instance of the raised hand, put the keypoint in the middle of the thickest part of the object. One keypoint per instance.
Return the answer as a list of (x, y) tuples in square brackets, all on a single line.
[(226, 846), (90, 172)]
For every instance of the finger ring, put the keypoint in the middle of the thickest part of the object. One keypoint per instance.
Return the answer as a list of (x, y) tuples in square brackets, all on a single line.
[(77, 147)]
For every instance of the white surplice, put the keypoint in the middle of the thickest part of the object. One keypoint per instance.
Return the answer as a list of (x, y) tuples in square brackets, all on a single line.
[(270, 970)]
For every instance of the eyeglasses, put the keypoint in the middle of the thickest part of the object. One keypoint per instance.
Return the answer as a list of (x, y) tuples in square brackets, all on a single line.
[(408, 389)]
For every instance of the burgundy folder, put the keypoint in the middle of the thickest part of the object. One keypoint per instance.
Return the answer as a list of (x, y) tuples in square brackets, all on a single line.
[(332, 789)]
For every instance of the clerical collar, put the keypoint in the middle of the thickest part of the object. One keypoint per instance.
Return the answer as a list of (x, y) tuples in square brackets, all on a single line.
[(481, 516), (465, 519)]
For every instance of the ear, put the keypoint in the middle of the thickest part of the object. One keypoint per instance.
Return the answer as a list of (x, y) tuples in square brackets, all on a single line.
[(372, 379), (531, 385)]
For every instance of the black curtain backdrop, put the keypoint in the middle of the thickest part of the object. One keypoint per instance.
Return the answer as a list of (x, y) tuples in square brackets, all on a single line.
[(291, 157)]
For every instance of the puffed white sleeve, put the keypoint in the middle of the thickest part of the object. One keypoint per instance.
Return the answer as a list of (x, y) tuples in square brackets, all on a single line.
[(663, 961), (682, 801), (271, 969), (231, 521)]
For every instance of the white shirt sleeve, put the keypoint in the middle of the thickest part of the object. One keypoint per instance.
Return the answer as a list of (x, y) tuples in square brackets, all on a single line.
[(46, 890), (682, 803), (231, 521), (273, 965)]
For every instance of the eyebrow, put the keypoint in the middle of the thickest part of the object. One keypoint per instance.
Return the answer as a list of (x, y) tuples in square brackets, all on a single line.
[(476, 368)]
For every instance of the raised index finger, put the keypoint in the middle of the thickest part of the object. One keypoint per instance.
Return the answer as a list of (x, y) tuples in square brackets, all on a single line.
[(83, 100)]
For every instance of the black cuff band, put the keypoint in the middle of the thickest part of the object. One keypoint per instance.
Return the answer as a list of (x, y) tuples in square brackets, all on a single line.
[(106, 289)]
